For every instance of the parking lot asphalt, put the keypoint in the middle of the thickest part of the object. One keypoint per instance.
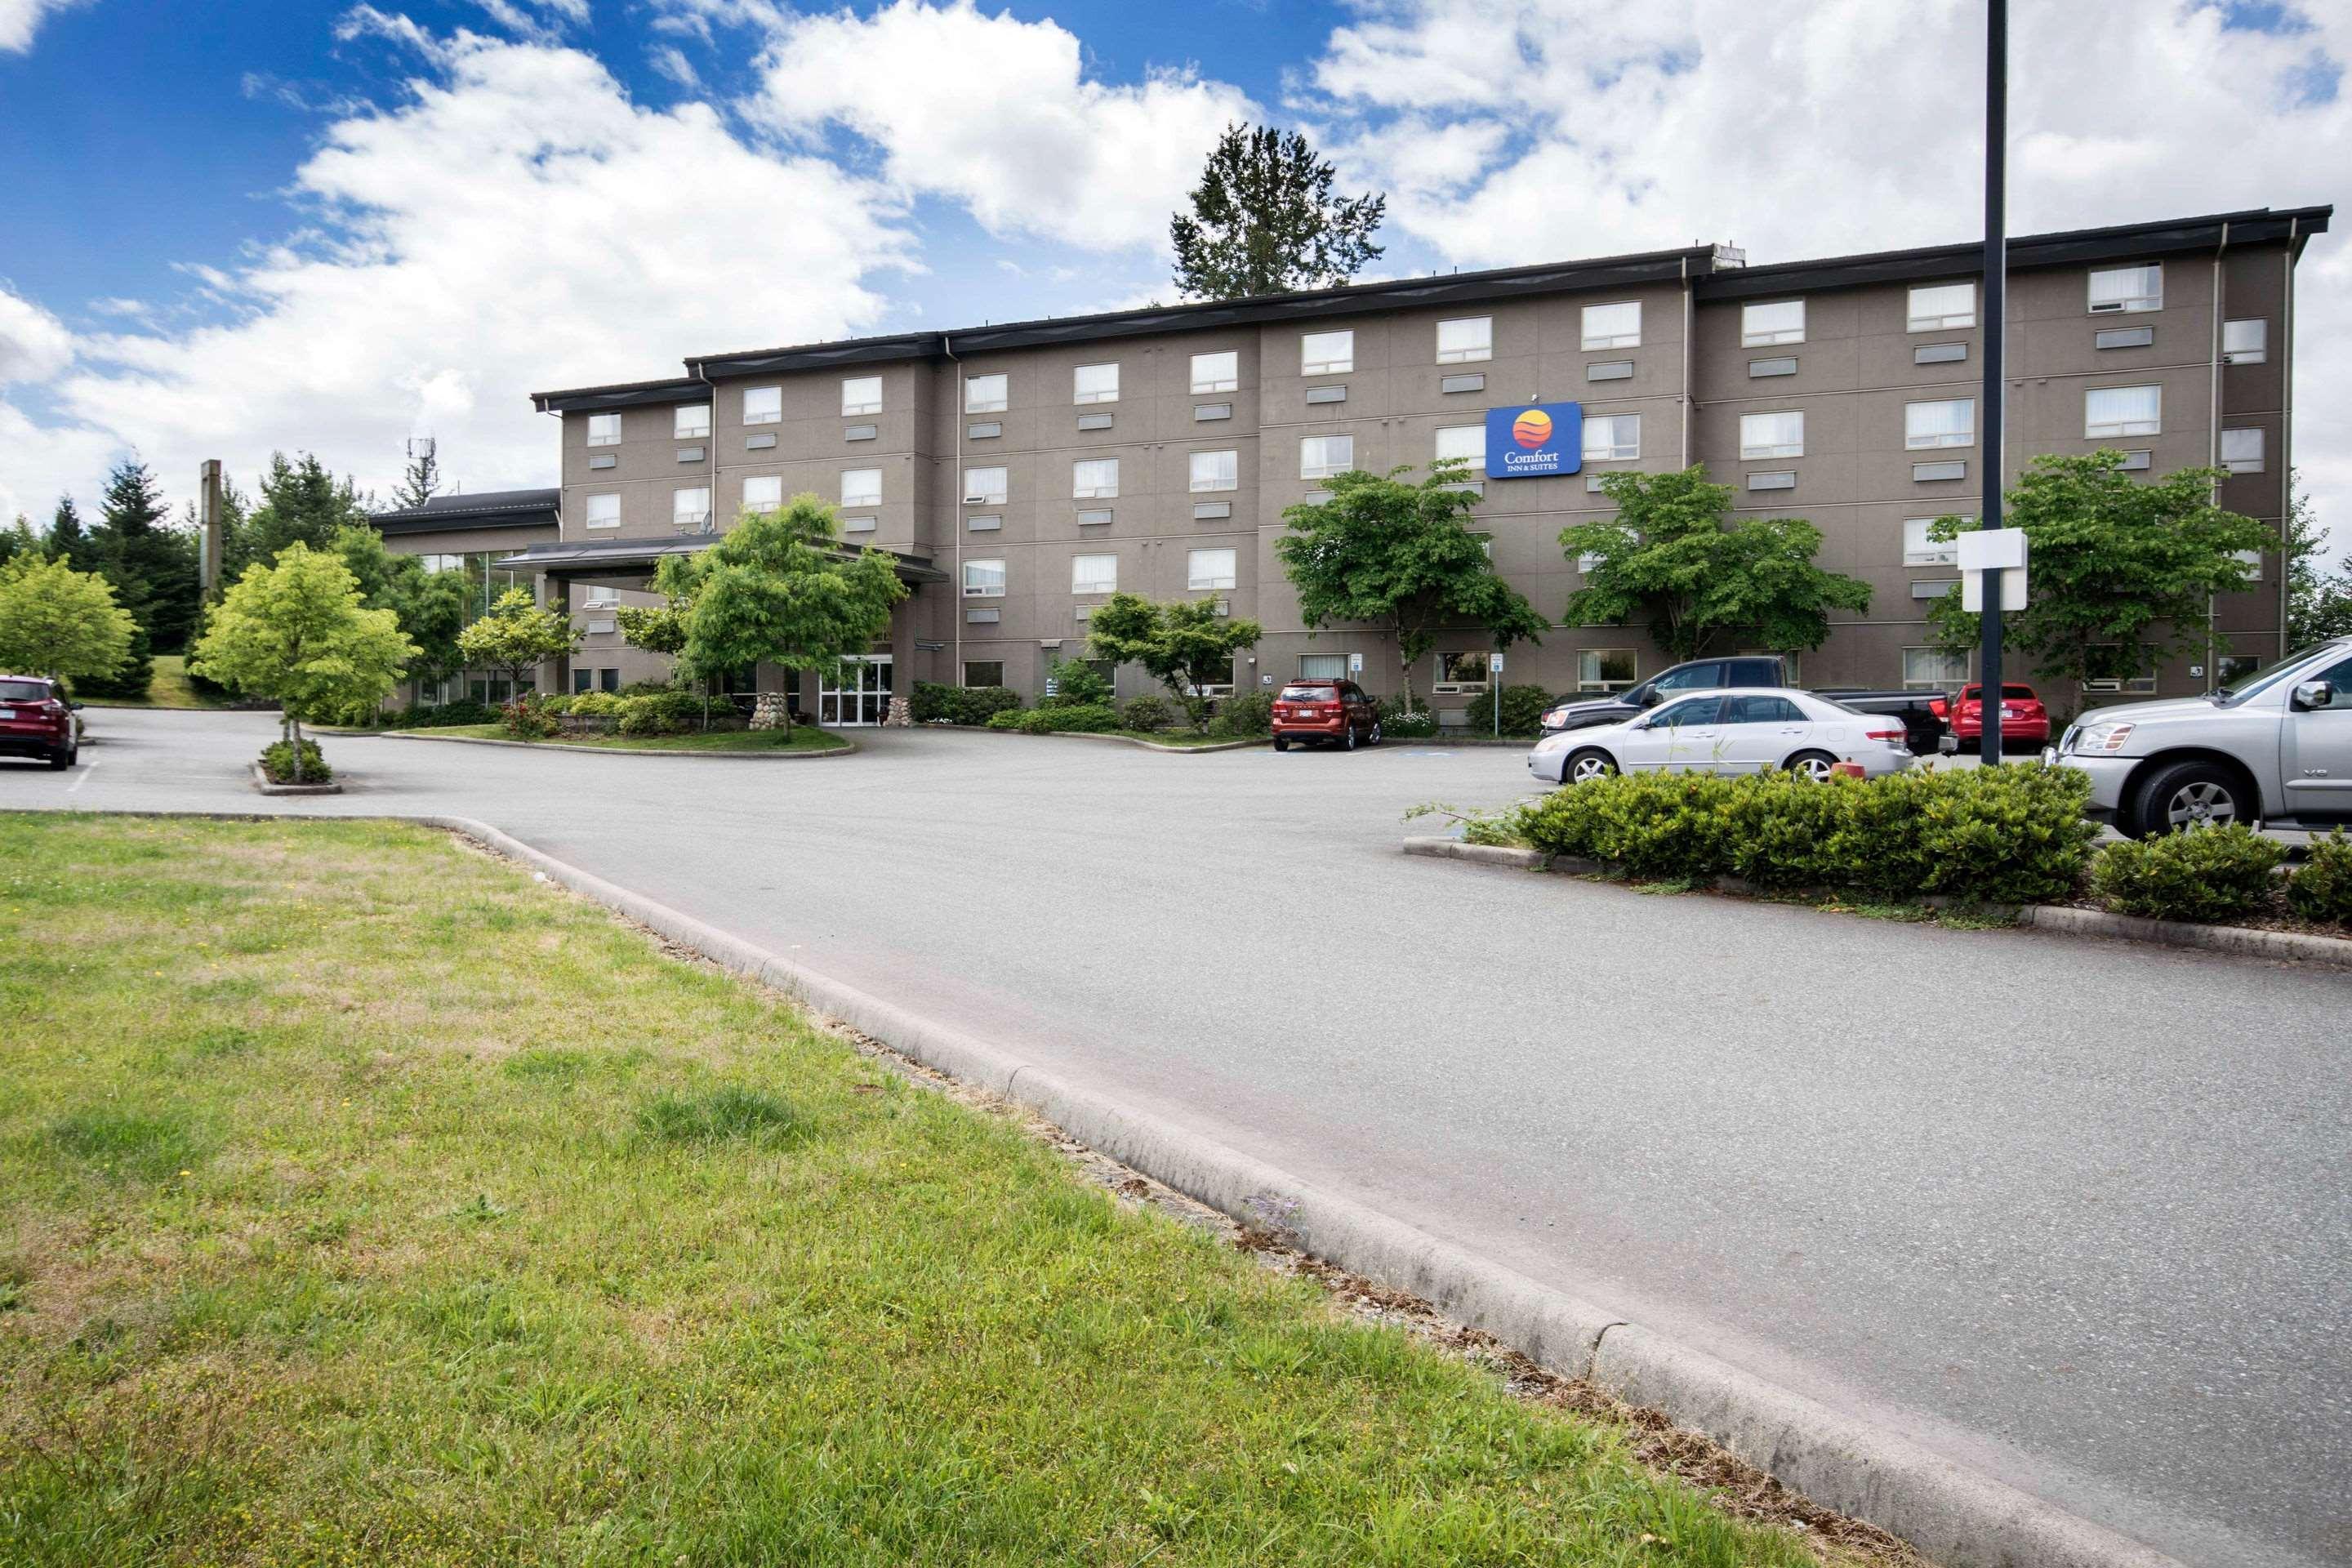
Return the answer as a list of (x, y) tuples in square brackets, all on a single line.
[(2078, 1214)]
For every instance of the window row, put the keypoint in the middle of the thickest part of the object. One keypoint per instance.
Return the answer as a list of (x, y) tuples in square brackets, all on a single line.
[(1206, 571)]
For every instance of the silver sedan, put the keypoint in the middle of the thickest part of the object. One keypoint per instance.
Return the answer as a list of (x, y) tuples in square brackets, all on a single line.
[(1728, 732)]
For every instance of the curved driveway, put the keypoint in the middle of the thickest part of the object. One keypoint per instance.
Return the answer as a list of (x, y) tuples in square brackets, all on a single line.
[(2087, 1223)]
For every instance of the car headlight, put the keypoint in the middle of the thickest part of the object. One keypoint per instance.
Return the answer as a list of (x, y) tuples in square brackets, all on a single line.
[(1551, 743), (2095, 739)]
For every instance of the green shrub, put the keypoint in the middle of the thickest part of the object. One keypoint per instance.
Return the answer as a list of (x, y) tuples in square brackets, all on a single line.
[(1247, 713), (527, 719), (1405, 721), (1523, 710), (2204, 874), (2322, 891), (1653, 825), (558, 705), (1036, 722), (596, 704), (278, 763), (1091, 719), (466, 712), (1007, 719), (650, 688), (1785, 830), (936, 703), (1075, 685), (1148, 714), (660, 713)]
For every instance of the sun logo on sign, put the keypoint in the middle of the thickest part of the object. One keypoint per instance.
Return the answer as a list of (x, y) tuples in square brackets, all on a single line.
[(1531, 429)]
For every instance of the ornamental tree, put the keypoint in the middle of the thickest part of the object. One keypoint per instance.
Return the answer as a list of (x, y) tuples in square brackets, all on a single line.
[(57, 622), (1401, 556), (1677, 557), (2120, 570), (517, 636), (1184, 645), (296, 631), (777, 588)]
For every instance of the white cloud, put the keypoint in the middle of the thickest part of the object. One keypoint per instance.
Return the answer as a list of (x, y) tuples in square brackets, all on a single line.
[(19, 19), (514, 224), (997, 114), (33, 344), (1844, 125)]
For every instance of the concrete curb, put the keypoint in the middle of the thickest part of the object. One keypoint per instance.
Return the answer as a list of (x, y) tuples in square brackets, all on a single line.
[(261, 783), (2241, 941), (846, 749), (1118, 740)]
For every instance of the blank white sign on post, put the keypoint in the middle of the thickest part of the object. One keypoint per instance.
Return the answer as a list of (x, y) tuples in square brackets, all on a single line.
[(1984, 549)]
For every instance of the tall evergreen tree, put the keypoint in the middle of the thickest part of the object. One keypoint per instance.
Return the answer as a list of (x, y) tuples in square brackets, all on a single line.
[(1264, 221), (301, 503), (68, 542), (422, 479), (152, 564), (19, 540)]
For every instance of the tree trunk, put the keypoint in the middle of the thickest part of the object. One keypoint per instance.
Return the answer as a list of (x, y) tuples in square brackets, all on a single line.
[(294, 724)]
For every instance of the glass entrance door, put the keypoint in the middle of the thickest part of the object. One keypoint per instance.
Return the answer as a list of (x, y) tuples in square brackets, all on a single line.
[(863, 698)]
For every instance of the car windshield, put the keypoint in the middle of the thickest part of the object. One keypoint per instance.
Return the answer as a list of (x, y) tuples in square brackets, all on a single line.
[(2238, 691), (24, 690), (1310, 694)]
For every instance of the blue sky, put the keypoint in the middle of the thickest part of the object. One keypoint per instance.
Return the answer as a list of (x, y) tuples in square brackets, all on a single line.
[(230, 228)]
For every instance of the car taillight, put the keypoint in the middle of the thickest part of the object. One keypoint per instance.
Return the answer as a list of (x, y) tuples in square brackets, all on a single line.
[(1889, 736)]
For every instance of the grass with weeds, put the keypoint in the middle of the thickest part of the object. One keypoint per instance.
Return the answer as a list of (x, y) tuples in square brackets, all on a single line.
[(364, 1202), (803, 738)]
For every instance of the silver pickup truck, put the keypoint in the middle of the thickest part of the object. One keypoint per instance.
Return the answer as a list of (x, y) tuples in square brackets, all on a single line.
[(2274, 749)]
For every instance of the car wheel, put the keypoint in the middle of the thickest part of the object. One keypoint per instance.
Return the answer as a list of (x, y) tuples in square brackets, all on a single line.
[(1282, 743), (1374, 738), (1348, 740), (1813, 765), (2191, 795), (65, 758), (1588, 764)]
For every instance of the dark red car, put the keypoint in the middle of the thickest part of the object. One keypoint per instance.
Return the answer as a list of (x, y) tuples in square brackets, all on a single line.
[(37, 721), (2024, 721), (1336, 712)]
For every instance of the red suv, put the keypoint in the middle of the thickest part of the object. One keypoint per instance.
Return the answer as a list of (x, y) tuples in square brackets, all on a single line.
[(37, 721), (1333, 710), (2024, 721)]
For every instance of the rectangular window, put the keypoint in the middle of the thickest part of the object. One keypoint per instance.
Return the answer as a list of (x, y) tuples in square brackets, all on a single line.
[(2241, 451), (1918, 550), (601, 597), (984, 579), (689, 510), (984, 487), (1758, 369), (2245, 343), (1933, 669), (1772, 478), (1209, 569), (1613, 370), (1774, 322), (1943, 306), (1778, 435), (1320, 457), (986, 394), (1461, 672), (1327, 353), (1613, 438), (2253, 560), (604, 511), (1617, 326), (604, 429), (1939, 353), (1095, 517), (1094, 573), (983, 430), (1948, 422), (861, 395), (2122, 411), (1094, 478), (1604, 668), (692, 422), (1096, 383), (1217, 372), (2136, 461), (2122, 338), (763, 404), (861, 487), (1322, 666), (1469, 338), (1216, 471), (1450, 385), (985, 521), (1464, 443), (1204, 412), (984, 672), (763, 492), (2122, 290)]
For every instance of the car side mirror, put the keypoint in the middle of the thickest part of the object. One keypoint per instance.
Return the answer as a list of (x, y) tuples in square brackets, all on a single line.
[(2315, 694), (1649, 700)]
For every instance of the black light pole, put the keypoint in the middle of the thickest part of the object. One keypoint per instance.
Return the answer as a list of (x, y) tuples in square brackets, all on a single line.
[(1996, 317)]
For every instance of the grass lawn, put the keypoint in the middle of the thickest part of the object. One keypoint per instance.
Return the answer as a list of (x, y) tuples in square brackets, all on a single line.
[(363, 1201), (803, 738), (169, 689)]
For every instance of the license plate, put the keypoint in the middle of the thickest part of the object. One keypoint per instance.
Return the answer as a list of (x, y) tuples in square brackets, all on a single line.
[(7, 712), (2009, 712)]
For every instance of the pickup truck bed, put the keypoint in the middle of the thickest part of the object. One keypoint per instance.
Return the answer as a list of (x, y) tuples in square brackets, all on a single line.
[(1923, 728)]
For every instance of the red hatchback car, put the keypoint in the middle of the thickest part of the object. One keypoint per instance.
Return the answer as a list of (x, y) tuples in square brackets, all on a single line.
[(2024, 721), (1336, 712), (37, 721)]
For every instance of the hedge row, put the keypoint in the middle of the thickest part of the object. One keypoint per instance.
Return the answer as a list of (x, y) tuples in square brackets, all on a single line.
[(2224, 873)]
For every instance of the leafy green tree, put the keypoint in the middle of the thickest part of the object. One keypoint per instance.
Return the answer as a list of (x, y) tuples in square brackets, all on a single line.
[(301, 502), (517, 635), (1075, 684), (61, 623), (2318, 603), (2121, 571), (295, 630), (1183, 643), (1401, 556), (421, 480), (152, 564), (431, 605), (1264, 221), (778, 589), (1675, 556)]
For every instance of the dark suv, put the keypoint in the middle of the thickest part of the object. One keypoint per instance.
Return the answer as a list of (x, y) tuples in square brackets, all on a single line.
[(1333, 710), (35, 720)]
